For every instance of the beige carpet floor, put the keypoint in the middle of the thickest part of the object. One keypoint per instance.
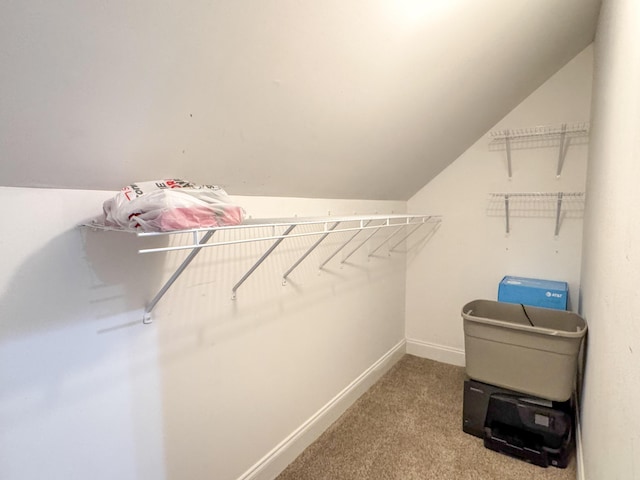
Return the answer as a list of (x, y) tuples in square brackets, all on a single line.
[(409, 426)]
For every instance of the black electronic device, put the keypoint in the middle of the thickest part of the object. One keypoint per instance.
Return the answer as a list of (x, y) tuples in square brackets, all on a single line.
[(533, 429)]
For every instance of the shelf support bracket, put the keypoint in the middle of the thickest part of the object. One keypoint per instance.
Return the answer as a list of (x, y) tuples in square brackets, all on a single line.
[(344, 244), (260, 260), (146, 318), (364, 241), (507, 141), (308, 252), (393, 234), (564, 146), (506, 213), (406, 236), (558, 214)]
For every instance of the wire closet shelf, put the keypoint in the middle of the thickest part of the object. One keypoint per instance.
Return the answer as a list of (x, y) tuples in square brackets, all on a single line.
[(558, 136), (402, 226), (540, 132), (560, 205)]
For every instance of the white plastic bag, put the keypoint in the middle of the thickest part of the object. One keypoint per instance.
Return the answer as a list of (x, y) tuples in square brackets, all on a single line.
[(171, 204)]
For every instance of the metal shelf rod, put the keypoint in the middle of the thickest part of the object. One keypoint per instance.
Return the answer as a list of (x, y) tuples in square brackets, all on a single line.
[(562, 151), (260, 260), (306, 254), (406, 236), (258, 239), (269, 222), (146, 317), (506, 212), (393, 234), (558, 211), (364, 241), (508, 145), (362, 227)]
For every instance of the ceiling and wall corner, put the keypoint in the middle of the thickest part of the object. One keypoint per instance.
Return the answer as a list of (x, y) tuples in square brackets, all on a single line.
[(326, 99)]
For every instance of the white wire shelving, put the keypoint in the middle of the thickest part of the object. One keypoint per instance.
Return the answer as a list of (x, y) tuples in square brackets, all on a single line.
[(560, 136), (560, 205), (401, 226)]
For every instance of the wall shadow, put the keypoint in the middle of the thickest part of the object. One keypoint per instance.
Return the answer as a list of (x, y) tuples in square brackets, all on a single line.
[(77, 276)]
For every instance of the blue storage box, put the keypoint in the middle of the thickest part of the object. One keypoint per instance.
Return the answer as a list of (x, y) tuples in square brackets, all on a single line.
[(534, 292)]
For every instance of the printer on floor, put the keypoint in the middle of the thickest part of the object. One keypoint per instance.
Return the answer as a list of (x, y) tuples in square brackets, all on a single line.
[(533, 429)]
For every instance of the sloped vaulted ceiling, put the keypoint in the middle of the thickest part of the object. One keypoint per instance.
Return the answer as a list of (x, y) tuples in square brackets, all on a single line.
[(332, 98)]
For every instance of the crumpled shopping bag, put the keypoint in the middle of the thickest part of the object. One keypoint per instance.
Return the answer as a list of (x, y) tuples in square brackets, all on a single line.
[(171, 204)]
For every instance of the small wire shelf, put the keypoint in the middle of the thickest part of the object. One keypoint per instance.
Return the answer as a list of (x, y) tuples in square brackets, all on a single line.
[(579, 129), (557, 136), (558, 205)]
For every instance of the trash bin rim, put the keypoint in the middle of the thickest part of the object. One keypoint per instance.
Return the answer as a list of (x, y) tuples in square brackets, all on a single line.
[(468, 315)]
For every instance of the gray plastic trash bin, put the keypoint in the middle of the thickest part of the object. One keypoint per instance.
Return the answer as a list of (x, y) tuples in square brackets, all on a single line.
[(503, 348)]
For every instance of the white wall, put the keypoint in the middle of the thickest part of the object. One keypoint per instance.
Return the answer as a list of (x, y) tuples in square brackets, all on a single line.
[(80, 394), (610, 269), (471, 252), (212, 385)]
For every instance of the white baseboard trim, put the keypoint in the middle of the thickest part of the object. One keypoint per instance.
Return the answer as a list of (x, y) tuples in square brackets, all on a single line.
[(274, 462), (432, 351)]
